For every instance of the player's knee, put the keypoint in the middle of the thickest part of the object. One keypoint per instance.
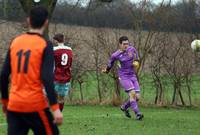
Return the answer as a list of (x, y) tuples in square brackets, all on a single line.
[(132, 96), (137, 97)]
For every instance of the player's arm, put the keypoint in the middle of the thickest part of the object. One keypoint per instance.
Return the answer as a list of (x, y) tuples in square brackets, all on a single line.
[(71, 59), (110, 64), (4, 81), (136, 62), (47, 75), (137, 56)]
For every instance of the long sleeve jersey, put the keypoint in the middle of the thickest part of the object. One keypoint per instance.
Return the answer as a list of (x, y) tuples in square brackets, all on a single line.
[(29, 69), (125, 59)]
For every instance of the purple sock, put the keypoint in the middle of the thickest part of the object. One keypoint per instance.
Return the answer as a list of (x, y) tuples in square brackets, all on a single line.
[(134, 106), (126, 105)]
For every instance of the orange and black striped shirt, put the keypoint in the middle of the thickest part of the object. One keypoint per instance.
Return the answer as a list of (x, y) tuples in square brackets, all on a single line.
[(30, 63)]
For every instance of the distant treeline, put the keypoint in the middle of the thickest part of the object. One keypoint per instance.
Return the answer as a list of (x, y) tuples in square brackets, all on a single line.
[(181, 17)]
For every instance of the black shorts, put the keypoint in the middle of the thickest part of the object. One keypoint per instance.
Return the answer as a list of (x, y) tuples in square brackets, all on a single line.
[(41, 123)]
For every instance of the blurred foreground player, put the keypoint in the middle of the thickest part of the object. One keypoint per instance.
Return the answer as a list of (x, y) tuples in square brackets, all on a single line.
[(29, 63)]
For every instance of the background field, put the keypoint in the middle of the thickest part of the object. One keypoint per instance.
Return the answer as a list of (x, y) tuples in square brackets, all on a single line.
[(85, 54), (148, 90), (107, 120), (162, 35)]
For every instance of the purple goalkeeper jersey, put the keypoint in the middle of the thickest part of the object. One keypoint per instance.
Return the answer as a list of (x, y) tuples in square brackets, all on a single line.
[(125, 59)]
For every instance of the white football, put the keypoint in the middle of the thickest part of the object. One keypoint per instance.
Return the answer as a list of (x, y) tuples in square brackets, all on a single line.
[(195, 45), (36, 0)]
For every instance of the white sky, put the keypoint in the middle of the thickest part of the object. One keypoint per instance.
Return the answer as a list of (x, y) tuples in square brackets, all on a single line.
[(159, 1), (154, 1)]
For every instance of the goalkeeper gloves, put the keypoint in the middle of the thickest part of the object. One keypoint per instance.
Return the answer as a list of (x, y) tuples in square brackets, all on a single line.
[(136, 65)]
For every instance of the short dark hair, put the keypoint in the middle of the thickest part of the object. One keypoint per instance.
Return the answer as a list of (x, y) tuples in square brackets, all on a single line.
[(38, 15), (122, 38), (59, 37)]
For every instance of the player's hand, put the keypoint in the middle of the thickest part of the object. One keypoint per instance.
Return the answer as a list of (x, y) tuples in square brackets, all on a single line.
[(58, 117), (136, 65), (104, 70), (4, 108)]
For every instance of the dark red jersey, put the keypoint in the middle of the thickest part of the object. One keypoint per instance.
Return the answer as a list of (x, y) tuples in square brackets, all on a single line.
[(63, 63)]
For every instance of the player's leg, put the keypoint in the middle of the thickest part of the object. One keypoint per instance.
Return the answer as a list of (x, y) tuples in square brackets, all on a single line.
[(63, 92), (136, 88), (137, 95), (59, 92), (126, 105), (125, 109), (139, 115), (16, 124), (42, 123), (133, 101), (60, 102), (127, 86), (134, 105)]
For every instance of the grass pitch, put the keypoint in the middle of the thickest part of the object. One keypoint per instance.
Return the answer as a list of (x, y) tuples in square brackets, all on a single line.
[(107, 120)]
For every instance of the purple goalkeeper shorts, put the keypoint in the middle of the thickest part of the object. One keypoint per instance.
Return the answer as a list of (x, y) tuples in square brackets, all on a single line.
[(130, 83)]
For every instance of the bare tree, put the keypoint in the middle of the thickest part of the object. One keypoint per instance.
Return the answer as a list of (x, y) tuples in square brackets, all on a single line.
[(156, 67), (97, 47), (79, 71), (111, 45), (49, 4)]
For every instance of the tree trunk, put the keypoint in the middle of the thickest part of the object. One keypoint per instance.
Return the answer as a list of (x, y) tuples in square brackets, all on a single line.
[(98, 85), (48, 4), (5, 9), (71, 91), (161, 92), (117, 88), (28, 4), (181, 96), (116, 94), (174, 95), (97, 72), (189, 92), (158, 85), (156, 97), (81, 91), (116, 99)]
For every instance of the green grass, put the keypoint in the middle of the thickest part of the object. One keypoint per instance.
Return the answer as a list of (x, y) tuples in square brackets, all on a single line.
[(107, 120), (148, 90)]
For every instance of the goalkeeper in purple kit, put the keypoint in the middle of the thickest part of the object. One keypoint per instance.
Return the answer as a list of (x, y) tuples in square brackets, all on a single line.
[(128, 58)]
